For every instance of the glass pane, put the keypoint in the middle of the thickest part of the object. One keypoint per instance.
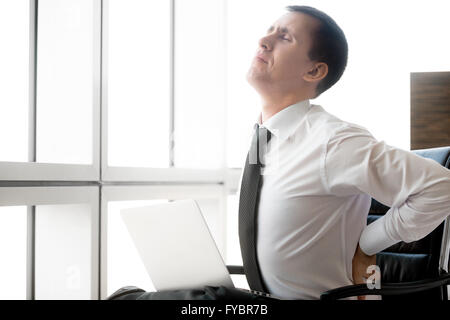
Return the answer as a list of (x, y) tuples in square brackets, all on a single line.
[(14, 58), (63, 251), (125, 267), (13, 252), (138, 70), (65, 81), (199, 85)]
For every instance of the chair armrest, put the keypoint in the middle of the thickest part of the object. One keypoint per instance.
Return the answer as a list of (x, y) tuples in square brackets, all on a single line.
[(386, 288), (236, 269)]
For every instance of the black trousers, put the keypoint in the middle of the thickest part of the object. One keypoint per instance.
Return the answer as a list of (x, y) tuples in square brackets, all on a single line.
[(206, 293)]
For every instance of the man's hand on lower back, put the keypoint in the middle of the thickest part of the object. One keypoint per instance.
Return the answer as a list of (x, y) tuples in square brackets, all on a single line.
[(360, 263)]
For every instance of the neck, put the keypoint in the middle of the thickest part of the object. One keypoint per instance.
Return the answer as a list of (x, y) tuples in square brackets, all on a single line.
[(272, 104)]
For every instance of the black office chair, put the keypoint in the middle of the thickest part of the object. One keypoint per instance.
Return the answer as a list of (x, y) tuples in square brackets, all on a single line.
[(409, 271)]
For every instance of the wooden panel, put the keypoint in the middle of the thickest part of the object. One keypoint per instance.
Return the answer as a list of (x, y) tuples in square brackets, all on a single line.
[(430, 110)]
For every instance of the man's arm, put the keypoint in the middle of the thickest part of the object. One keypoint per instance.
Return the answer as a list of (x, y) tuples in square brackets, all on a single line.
[(416, 189)]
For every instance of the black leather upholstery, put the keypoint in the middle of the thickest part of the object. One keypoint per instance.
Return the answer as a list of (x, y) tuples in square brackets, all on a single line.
[(417, 260)]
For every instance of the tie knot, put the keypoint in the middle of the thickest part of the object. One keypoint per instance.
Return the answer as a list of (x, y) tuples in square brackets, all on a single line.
[(262, 133), (260, 141)]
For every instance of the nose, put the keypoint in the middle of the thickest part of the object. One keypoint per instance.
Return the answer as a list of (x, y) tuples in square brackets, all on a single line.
[(265, 43)]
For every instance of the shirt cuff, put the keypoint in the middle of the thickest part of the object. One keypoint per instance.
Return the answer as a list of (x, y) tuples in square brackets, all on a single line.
[(374, 237)]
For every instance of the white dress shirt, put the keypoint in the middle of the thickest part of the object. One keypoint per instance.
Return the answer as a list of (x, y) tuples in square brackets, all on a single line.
[(319, 176)]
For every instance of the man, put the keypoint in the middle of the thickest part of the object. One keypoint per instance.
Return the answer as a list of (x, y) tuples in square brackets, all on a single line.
[(303, 208), (321, 172)]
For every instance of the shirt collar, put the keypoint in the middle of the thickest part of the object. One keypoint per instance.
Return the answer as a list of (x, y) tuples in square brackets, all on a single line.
[(284, 122)]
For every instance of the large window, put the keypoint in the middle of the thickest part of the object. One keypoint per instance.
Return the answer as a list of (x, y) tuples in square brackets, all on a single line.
[(14, 57), (63, 251), (199, 84), (13, 247), (137, 47), (49, 242), (65, 81), (111, 104)]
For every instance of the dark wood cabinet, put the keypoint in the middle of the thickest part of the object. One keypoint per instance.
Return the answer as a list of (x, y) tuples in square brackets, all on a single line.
[(430, 110)]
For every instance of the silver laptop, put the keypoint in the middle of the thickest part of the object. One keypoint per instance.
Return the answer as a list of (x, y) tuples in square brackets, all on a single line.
[(176, 246)]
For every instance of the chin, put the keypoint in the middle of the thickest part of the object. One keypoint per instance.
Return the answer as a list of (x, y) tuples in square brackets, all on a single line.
[(252, 82), (255, 78)]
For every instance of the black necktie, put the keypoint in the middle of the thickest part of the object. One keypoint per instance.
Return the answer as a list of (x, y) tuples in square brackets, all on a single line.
[(248, 205)]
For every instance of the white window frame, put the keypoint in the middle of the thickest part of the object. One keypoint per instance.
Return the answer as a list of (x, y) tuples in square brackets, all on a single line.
[(33, 171), (171, 174), (32, 183), (34, 196)]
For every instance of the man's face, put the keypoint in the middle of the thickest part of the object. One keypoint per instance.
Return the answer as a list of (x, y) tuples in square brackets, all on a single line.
[(285, 50)]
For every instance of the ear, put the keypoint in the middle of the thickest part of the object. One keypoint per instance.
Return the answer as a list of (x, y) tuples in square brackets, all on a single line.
[(317, 72)]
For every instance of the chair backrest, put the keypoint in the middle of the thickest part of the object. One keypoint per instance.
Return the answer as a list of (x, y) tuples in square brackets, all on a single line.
[(417, 260)]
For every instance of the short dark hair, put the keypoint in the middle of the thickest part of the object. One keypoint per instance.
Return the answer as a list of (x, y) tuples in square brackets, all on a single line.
[(329, 46)]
